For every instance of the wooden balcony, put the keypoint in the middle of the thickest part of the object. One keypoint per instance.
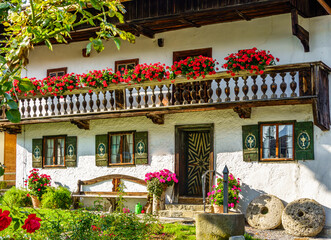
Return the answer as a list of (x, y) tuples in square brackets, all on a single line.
[(303, 83)]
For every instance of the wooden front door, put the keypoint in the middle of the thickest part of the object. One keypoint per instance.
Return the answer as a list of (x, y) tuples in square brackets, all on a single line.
[(10, 159), (195, 158)]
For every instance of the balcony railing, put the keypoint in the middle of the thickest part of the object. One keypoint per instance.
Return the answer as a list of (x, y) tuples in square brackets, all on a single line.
[(279, 85)]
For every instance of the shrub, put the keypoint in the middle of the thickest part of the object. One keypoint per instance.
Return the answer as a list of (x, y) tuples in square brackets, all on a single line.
[(16, 197), (57, 198)]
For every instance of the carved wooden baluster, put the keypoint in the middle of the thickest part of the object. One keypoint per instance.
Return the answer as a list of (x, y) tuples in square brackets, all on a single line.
[(52, 106), (218, 91), (112, 100), (104, 101), (23, 108), (227, 90), (264, 87), (153, 98), (194, 93), (98, 102), (84, 103), (273, 85), (71, 104), (177, 94), (58, 105), (210, 92), (40, 107), (283, 85), (201, 93), (91, 103), (34, 107), (236, 89), (254, 88), (77, 102), (161, 96), (168, 95), (138, 97), (46, 106), (185, 94), (146, 97), (65, 105), (293, 84), (245, 88), (130, 98)]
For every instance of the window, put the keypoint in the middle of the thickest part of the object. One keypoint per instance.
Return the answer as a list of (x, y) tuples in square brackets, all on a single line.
[(126, 64), (121, 148), (54, 151), (56, 72), (277, 141)]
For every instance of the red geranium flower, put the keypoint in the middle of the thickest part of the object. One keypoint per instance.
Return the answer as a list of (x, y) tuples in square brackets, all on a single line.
[(32, 223), (4, 219)]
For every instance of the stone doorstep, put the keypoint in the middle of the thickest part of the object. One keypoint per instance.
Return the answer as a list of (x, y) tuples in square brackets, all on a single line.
[(187, 207), (186, 221)]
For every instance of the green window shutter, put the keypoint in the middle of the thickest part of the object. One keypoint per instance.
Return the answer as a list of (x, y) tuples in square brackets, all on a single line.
[(251, 142), (101, 150), (304, 141), (141, 148), (37, 153), (71, 151)]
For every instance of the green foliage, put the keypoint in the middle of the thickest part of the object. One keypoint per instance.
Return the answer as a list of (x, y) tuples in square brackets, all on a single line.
[(3, 185), (40, 22), (178, 231), (16, 197), (249, 237), (57, 198), (154, 186), (120, 200)]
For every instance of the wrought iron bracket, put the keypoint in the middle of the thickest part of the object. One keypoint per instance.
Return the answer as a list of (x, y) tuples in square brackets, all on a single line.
[(156, 118), (81, 124), (243, 112)]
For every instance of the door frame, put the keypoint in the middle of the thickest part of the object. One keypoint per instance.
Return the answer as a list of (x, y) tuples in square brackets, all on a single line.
[(179, 148)]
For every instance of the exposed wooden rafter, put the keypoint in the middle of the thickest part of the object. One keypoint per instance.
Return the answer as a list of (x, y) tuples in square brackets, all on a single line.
[(242, 15), (193, 24), (142, 30), (243, 112), (81, 124), (11, 129), (156, 118), (325, 6), (299, 31)]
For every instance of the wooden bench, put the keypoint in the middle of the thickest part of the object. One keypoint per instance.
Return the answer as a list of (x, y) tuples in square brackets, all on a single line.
[(109, 195)]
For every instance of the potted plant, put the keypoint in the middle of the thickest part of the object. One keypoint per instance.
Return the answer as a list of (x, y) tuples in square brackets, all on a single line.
[(216, 196), (38, 184), (252, 60), (157, 183)]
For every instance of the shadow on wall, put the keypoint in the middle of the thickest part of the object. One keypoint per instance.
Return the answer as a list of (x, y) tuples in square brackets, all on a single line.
[(248, 194)]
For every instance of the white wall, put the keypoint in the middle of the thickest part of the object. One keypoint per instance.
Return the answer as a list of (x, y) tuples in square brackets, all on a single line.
[(288, 181)]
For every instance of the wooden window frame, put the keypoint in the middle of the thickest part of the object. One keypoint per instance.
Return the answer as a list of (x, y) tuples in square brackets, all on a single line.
[(45, 150), (63, 69), (110, 134), (126, 62), (178, 55), (277, 141)]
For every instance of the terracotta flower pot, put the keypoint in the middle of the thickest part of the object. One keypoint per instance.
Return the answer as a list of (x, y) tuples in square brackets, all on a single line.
[(35, 201), (218, 209)]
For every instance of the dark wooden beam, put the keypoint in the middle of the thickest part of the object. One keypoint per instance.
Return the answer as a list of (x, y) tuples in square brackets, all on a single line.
[(242, 15), (189, 22), (13, 129), (299, 31), (81, 124), (243, 112), (156, 118), (325, 6), (142, 30)]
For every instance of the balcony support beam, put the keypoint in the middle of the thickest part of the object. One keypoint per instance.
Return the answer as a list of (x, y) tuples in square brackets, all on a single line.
[(81, 124), (243, 112), (156, 118), (299, 31), (11, 129)]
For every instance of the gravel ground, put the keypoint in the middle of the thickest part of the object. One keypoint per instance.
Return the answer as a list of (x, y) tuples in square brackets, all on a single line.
[(275, 234)]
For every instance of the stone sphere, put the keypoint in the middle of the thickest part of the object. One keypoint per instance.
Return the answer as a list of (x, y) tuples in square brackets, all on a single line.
[(265, 212), (303, 218)]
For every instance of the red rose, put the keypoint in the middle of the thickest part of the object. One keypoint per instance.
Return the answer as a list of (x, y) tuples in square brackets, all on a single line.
[(32, 223), (4, 219)]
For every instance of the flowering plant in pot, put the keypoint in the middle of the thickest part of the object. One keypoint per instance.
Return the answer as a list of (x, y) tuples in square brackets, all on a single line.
[(38, 184), (157, 182), (216, 196), (146, 72), (252, 60), (193, 67)]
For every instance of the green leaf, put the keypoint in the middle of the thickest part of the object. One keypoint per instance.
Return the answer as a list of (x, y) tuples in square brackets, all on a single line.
[(7, 96), (2, 171), (7, 86), (12, 104), (88, 48), (2, 60), (48, 44), (25, 85), (95, 4), (13, 115), (117, 43), (17, 225)]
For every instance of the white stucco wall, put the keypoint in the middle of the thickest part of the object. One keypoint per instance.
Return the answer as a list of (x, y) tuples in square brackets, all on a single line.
[(288, 181)]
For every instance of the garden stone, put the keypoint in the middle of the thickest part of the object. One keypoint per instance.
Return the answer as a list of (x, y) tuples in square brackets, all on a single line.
[(210, 226), (265, 212), (303, 218), (237, 238)]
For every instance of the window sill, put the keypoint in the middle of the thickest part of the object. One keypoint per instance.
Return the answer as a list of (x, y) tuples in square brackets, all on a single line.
[(121, 164), (50, 167)]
